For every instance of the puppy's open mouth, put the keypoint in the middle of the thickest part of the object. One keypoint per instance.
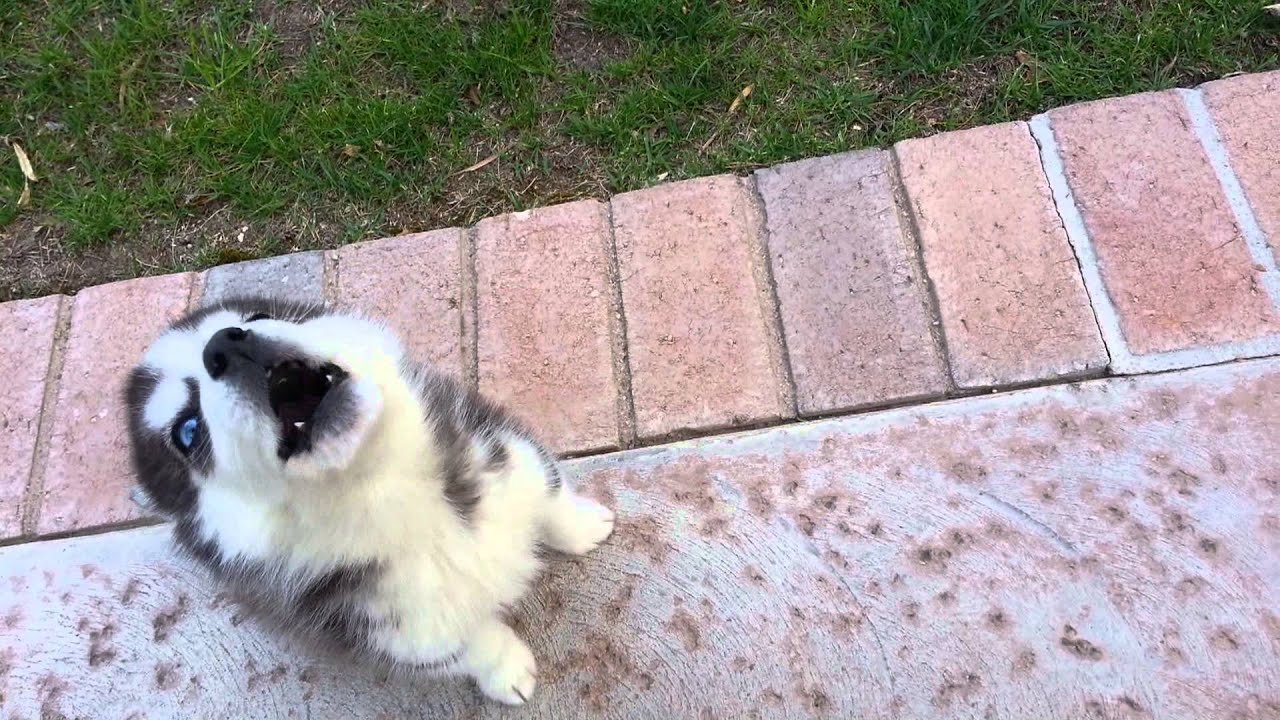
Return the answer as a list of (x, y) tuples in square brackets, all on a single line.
[(296, 391)]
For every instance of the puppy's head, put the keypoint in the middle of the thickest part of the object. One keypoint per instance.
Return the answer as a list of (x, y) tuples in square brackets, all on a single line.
[(252, 394)]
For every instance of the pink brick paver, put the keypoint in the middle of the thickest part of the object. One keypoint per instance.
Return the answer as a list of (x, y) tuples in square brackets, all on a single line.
[(27, 329), (544, 322), (1013, 304), (414, 283), (87, 476), (1106, 550), (850, 291), (701, 352), (1246, 110), (1171, 256)]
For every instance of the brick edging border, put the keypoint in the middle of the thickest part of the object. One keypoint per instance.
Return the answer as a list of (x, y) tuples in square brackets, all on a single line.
[(826, 286)]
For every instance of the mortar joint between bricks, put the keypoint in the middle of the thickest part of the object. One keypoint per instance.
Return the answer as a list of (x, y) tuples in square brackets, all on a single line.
[(915, 241), (1207, 134), (330, 280), (621, 349), (469, 315), (1104, 312), (33, 498), (767, 294), (195, 292)]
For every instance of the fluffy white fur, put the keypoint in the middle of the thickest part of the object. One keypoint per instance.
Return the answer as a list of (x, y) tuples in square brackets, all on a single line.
[(373, 494)]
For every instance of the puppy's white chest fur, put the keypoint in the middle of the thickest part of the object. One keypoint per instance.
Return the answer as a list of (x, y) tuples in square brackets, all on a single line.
[(439, 575)]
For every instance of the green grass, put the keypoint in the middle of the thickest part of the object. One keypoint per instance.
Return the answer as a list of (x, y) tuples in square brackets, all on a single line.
[(148, 121)]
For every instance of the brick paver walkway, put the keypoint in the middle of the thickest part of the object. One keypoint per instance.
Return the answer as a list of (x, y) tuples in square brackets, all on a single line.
[(1099, 539)]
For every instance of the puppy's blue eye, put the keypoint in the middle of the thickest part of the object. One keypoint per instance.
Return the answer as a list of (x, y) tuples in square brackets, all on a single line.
[(184, 433)]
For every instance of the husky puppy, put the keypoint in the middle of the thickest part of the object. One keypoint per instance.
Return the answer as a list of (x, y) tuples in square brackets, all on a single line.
[(347, 493)]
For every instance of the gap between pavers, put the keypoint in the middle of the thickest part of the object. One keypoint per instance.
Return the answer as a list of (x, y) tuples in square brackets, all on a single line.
[(1255, 240), (1245, 112)]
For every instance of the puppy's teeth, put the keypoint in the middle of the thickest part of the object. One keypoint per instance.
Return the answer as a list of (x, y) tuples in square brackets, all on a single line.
[(328, 377), (300, 425)]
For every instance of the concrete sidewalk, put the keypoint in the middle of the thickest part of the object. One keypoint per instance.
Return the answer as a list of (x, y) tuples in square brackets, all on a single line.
[(1105, 548)]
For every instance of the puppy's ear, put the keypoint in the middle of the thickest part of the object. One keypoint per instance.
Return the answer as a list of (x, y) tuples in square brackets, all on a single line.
[(335, 444)]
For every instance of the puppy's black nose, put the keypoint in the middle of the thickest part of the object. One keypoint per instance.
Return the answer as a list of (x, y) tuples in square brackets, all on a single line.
[(224, 344)]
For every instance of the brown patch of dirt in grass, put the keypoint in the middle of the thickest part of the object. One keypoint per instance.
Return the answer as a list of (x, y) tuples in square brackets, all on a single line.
[(579, 45)]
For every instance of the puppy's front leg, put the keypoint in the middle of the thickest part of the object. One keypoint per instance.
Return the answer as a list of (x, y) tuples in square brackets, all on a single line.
[(575, 524), (500, 662)]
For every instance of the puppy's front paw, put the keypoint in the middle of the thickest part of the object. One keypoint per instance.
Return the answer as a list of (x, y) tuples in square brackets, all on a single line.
[(578, 525), (512, 679)]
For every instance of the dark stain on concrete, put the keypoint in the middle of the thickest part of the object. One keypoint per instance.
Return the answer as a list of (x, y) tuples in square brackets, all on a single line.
[(1078, 646), (101, 648), (166, 676), (131, 590), (165, 620)]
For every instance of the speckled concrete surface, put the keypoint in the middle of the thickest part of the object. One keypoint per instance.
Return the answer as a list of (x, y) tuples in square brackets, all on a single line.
[(1105, 550)]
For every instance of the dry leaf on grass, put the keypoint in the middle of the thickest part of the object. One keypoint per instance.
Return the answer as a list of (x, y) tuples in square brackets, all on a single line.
[(478, 165), (24, 162), (742, 95), (28, 174), (350, 150)]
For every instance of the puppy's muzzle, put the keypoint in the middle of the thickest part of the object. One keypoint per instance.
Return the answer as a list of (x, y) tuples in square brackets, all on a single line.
[(230, 347)]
